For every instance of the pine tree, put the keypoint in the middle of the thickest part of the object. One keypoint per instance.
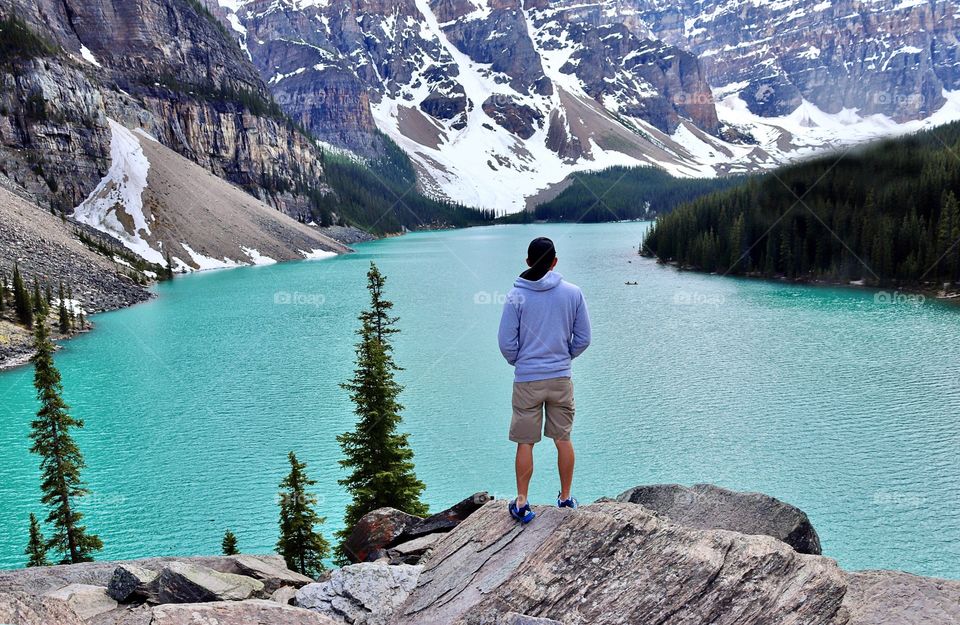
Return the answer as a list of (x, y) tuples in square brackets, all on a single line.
[(21, 299), (64, 314), (229, 544), (303, 547), (36, 550), (380, 458), (3, 292), (60, 459), (38, 301)]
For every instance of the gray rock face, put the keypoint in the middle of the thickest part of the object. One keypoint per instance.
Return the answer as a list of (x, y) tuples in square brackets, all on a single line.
[(894, 598), (612, 563), (86, 600), (37, 581), (705, 506), (361, 594), (252, 612), (180, 582), (23, 609), (273, 576), (131, 583), (887, 57)]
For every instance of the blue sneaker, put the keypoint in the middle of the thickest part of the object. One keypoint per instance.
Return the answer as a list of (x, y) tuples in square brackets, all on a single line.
[(523, 514), (567, 503)]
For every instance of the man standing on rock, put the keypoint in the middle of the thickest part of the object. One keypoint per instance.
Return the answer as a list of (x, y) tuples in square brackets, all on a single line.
[(544, 327)]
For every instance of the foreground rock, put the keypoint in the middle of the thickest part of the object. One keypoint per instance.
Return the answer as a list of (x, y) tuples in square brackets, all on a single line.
[(705, 506), (131, 583), (253, 612), (180, 582), (86, 600), (361, 594), (274, 575), (891, 597), (37, 581), (379, 532), (23, 609), (618, 563)]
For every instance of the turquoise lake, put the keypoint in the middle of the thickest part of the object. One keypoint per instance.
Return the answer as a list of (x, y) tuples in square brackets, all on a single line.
[(838, 401)]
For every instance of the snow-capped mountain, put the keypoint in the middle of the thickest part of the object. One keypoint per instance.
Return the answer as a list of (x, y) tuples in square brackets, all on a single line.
[(498, 100)]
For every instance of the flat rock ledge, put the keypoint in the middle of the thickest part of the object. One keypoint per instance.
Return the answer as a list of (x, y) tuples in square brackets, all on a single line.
[(618, 563)]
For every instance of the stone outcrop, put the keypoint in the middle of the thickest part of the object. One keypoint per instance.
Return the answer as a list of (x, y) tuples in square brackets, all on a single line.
[(269, 572), (616, 562), (361, 594), (402, 537), (24, 609), (253, 612), (86, 600), (705, 506), (180, 582), (610, 562), (132, 583)]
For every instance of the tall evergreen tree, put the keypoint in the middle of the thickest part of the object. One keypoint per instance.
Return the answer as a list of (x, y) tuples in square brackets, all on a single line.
[(36, 550), (3, 292), (229, 544), (302, 546), (39, 304), (60, 459), (21, 299), (64, 314), (379, 457)]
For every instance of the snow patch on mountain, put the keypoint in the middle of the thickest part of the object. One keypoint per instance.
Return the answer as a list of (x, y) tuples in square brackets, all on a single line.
[(119, 196)]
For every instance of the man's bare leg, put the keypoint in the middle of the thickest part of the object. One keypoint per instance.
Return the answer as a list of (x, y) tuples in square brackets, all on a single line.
[(565, 461), (524, 471)]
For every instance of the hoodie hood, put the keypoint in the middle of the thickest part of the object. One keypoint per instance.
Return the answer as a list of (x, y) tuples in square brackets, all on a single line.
[(547, 282)]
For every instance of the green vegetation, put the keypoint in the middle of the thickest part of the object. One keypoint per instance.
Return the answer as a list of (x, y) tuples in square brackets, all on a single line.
[(886, 214), (60, 459), (64, 319), (249, 98), (621, 193), (18, 42), (229, 544), (137, 262), (21, 299), (36, 550), (303, 548), (379, 457)]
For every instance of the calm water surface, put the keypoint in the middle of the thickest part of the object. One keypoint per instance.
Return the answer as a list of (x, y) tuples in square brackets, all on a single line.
[(844, 406)]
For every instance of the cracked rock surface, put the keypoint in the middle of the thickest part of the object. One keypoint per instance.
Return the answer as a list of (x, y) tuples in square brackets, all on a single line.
[(617, 563), (361, 594)]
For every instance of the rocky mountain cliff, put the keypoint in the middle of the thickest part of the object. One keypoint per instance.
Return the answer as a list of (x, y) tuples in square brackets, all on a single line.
[(496, 100)]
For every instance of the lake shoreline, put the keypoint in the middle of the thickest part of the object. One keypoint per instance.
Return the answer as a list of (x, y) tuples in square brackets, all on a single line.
[(895, 293)]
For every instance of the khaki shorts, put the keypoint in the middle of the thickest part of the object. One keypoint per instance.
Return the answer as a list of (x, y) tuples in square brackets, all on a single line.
[(531, 400)]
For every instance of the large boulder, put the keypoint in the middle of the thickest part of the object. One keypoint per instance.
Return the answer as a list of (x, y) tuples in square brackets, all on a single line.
[(613, 563), (181, 582), (705, 506), (252, 612), (273, 575), (446, 520), (86, 600), (894, 598), (361, 594), (375, 530), (23, 609), (131, 583)]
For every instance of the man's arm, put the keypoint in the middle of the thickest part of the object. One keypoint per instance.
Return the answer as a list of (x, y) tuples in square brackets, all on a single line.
[(509, 334), (581, 329)]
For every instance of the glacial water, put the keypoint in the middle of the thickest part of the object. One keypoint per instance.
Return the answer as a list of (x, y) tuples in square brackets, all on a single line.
[(839, 401)]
